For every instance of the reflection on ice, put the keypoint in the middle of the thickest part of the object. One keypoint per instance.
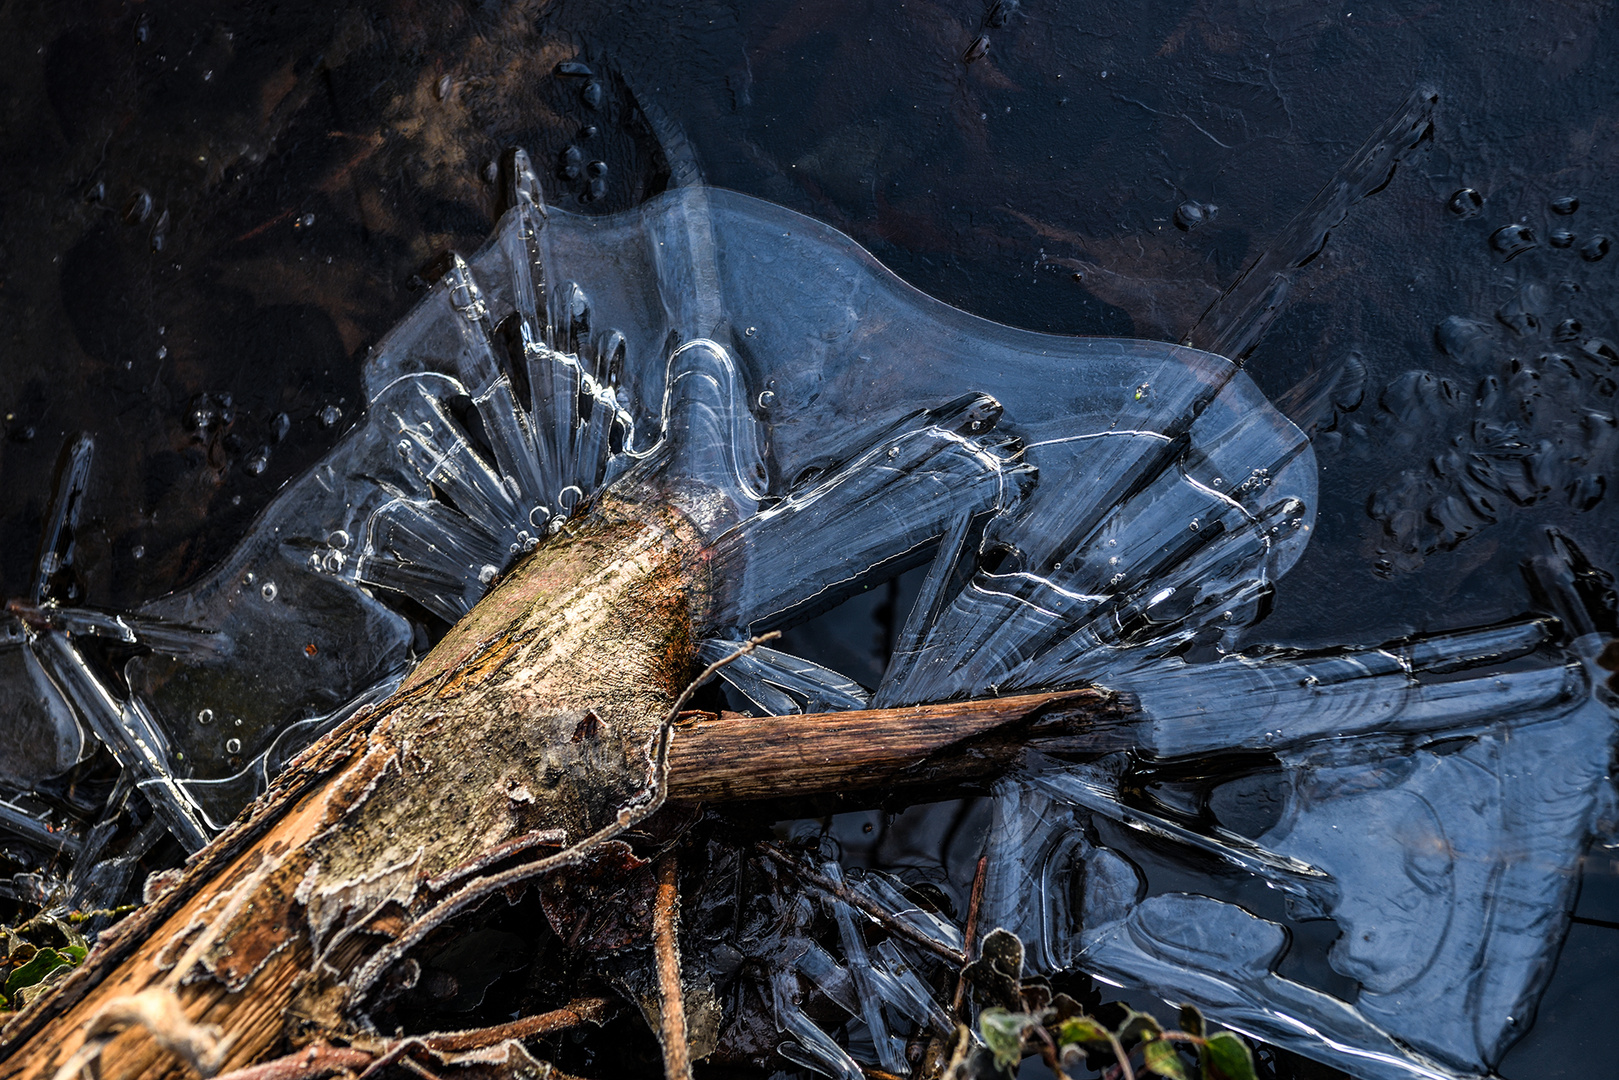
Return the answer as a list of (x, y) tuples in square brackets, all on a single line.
[(1088, 510)]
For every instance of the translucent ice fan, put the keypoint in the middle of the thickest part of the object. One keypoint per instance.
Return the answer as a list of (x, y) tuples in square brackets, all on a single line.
[(823, 424)]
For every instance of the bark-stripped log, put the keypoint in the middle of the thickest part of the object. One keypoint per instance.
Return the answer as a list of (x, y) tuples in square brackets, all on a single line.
[(514, 733)]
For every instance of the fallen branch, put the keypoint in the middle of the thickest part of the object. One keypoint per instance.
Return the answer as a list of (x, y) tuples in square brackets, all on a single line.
[(280, 930), (730, 758)]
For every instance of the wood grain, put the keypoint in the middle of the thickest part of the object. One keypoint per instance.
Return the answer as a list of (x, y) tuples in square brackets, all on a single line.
[(728, 757)]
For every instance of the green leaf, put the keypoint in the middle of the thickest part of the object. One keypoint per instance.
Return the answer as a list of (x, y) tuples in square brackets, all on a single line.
[(1161, 1058), (1138, 1025), (44, 962), (1230, 1056), (1191, 1020), (1081, 1029), (1003, 1034)]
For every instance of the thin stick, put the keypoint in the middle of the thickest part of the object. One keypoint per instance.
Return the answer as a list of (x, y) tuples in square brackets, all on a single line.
[(1124, 1058), (419, 1069), (876, 911), (580, 1011), (672, 997), (969, 936), (1048, 1052), (316, 1060)]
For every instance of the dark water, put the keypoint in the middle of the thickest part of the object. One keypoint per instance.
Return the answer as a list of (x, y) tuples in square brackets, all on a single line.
[(209, 211)]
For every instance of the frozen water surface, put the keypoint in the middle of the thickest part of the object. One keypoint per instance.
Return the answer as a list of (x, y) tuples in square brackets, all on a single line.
[(1087, 510)]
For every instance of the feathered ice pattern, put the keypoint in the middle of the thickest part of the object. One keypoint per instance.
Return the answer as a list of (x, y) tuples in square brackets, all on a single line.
[(1088, 510)]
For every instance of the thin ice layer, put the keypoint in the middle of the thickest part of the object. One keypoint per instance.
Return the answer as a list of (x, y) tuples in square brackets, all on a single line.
[(1442, 833), (569, 349), (779, 683)]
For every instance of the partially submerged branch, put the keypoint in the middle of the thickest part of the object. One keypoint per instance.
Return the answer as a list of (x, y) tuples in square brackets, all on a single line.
[(538, 730), (731, 758)]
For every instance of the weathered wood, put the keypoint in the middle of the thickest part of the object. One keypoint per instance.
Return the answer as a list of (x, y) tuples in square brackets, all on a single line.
[(505, 740), (520, 722), (731, 758)]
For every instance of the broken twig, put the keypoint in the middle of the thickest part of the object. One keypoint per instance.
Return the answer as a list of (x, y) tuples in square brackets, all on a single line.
[(969, 934), (893, 925), (671, 995), (592, 1010)]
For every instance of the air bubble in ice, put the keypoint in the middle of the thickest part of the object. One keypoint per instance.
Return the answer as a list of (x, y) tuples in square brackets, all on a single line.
[(1561, 238), (268, 591), (338, 539), (138, 208), (205, 716), (1565, 204), (329, 416), (767, 398), (259, 461), (1465, 203), (1513, 240), (487, 573), (233, 746), (1594, 248), (1189, 215)]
